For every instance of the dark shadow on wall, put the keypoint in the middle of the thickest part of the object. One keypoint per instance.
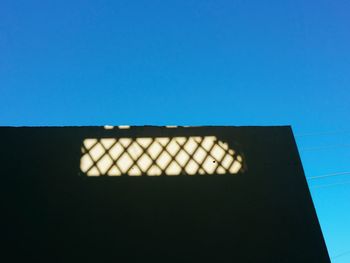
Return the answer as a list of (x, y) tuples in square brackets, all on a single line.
[(54, 212)]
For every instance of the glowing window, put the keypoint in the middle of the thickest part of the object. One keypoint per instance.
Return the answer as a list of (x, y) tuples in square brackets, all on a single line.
[(169, 156)]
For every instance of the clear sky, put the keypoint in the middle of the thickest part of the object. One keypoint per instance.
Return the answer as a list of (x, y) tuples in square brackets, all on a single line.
[(191, 62)]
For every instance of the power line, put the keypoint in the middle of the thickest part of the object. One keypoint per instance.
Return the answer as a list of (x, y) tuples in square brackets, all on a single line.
[(327, 175), (341, 254), (321, 133), (327, 185), (324, 147)]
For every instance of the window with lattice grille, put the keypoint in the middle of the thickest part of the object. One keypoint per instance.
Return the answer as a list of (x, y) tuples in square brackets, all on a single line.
[(202, 155)]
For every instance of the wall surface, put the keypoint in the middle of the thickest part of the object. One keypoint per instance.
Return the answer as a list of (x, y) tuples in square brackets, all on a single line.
[(54, 212)]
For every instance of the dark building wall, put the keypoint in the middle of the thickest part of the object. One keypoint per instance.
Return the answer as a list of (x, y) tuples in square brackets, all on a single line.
[(53, 212)]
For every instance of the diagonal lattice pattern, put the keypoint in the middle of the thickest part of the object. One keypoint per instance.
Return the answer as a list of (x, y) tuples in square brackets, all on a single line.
[(158, 156)]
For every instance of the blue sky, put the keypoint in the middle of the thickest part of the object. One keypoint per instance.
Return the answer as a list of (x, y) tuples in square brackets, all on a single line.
[(189, 62)]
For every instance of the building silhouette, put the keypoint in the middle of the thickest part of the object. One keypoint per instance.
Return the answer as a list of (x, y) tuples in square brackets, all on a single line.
[(157, 194)]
